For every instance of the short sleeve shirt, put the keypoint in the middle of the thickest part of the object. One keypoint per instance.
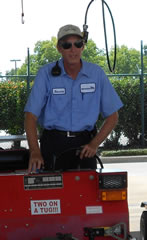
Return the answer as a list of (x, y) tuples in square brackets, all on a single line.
[(59, 102)]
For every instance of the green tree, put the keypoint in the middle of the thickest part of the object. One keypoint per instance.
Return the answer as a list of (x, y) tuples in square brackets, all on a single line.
[(46, 52), (93, 54), (128, 60)]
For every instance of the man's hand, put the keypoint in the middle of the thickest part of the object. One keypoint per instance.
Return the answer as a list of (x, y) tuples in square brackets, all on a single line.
[(35, 162), (89, 150)]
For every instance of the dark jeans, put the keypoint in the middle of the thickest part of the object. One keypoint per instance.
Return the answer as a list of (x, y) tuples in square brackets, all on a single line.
[(60, 152)]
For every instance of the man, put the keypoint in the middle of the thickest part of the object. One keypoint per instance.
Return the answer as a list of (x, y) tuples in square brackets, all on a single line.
[(66, 100)]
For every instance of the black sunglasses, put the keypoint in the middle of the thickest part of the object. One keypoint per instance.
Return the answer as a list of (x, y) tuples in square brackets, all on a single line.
[(68, 45)]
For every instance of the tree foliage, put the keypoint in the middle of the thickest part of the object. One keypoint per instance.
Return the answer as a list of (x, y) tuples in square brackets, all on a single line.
[(13, 97), (14, 93), (93, 54), (128, 60)]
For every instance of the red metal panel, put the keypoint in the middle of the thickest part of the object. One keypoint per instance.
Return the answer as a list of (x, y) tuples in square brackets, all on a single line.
[(36, 213)]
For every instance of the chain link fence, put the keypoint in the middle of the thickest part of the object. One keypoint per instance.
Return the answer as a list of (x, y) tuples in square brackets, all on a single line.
[(130, 131)]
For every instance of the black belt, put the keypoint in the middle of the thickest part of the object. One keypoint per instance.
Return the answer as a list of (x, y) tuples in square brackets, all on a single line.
[(70, 133)]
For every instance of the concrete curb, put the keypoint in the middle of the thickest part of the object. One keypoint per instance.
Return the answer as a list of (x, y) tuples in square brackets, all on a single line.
[(124, 159)]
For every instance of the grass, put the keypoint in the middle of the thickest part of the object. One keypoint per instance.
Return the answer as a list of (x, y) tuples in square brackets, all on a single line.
[(129, 152)]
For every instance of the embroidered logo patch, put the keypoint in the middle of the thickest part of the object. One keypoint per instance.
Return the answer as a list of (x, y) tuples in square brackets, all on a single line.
[(87, 87)]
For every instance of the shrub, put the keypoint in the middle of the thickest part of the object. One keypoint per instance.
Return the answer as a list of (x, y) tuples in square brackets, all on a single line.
[(13, 97)]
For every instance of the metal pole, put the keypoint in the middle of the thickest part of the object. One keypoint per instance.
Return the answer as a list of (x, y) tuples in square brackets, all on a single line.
[(28, 74), (15, 60), (142, 96)]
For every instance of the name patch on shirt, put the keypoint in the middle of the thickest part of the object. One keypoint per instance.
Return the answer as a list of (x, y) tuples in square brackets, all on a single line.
[(57, 91), (87, 87)]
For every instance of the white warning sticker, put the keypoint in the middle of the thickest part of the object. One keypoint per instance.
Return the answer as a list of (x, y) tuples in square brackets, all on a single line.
[(41, 207), (94, 210)]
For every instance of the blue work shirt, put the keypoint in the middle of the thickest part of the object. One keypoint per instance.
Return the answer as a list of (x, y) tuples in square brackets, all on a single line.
[(72, 105)]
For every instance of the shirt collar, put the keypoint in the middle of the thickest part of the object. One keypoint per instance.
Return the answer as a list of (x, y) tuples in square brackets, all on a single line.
[(83, 70)]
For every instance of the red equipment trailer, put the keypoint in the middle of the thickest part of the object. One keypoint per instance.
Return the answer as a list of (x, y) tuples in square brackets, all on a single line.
[(75, 204)]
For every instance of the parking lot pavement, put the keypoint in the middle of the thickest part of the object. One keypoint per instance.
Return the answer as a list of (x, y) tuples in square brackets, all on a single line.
[(137, 191), (124, 159)]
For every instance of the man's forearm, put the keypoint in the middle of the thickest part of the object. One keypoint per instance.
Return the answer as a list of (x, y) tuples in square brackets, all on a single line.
[(106, 128), (31, 131)]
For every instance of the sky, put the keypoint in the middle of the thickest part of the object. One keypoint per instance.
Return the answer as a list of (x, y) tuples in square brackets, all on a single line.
[(43, 18)]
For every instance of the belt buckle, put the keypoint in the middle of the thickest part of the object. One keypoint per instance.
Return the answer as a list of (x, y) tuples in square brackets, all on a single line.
[(70, 135)]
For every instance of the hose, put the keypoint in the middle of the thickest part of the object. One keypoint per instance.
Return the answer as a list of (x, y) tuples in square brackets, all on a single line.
[(85, 33), (22, 14), (105, 34)]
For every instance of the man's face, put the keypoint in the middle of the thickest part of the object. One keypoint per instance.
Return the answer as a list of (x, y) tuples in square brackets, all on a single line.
[(73, 54)]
